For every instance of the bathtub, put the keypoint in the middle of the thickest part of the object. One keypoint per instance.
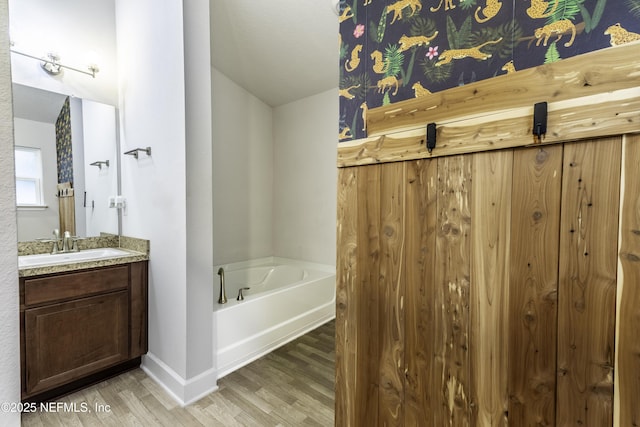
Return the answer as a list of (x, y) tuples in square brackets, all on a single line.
[(287, 298)]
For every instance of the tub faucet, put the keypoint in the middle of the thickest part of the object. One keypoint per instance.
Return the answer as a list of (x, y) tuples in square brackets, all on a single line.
[(240, 296), (223, 293)]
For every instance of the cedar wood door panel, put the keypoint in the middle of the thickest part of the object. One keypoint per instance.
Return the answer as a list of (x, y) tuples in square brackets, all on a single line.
[(481, 289)]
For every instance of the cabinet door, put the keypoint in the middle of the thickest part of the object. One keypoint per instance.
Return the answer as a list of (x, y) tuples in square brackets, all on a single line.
[(69, 340), (139, 309)]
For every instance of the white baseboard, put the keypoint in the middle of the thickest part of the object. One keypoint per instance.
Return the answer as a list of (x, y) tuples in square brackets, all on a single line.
[(185, 392)]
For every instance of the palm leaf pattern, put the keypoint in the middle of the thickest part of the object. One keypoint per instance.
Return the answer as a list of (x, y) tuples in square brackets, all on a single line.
[(467, 4), (567, 9), (634, 7), (394, 60), (510, 32), (422, 27), (457, 28), (458, 38), (376, 32), (552, 54), (435, 74), (360, 82), (591, 21)]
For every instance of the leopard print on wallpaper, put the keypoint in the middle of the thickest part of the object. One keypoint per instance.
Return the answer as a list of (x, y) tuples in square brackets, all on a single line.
[(393, 50)]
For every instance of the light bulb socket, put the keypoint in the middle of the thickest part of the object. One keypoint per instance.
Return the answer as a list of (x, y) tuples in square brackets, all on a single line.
[(93, 69), (51, 64)]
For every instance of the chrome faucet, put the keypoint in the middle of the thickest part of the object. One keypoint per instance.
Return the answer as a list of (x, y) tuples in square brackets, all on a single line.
[(56, 239), (240, 296), (68, 243), (223, 293), (65, 241)]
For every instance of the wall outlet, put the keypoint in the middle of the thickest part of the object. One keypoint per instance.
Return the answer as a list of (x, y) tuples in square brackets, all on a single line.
[(118, 202)]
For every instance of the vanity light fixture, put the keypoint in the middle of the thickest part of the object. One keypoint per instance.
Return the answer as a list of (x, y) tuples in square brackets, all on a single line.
[(51, 64)]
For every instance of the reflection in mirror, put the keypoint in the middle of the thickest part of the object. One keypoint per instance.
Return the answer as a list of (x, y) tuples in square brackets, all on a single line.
[(73, 139)]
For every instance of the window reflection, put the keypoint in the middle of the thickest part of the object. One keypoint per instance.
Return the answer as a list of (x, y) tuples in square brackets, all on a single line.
[(28, 176)]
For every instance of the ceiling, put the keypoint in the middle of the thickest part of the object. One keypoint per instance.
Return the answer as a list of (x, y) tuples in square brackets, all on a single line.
[(35, 104), (279, 50)]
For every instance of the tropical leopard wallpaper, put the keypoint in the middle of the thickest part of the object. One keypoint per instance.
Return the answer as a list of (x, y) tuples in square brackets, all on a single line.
[(393, 50), (63, 144)]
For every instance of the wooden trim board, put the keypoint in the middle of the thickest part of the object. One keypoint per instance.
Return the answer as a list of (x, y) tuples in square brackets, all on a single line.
[(591, 95)]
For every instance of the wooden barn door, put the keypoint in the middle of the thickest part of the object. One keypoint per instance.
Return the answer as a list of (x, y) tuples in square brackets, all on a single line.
[(480, 289), (587, 285)]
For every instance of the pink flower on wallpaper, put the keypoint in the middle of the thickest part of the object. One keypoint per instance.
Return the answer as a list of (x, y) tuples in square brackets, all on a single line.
[(358, 31), (433, 52)]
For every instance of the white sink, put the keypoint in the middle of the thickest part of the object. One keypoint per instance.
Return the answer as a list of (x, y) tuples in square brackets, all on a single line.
[(65, 258)]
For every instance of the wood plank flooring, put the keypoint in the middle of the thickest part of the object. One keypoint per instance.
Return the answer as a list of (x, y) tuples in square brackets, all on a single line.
[(292, 386)]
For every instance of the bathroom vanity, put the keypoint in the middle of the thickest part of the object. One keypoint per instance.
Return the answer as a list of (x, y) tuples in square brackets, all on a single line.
[(81, 322)]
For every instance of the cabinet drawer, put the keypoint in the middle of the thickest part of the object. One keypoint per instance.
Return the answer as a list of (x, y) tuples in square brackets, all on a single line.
[(75, 285)]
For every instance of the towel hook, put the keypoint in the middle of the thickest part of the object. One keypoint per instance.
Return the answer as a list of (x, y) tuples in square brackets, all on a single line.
[(100, 163), (539, 121), (135, 151)]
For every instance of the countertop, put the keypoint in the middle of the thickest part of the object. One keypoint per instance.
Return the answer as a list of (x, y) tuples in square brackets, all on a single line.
[(138, 248)]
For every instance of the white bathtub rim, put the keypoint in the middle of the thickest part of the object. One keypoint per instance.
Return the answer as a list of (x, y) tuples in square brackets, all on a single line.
[(313, 272), (251, 298), (273, 260)]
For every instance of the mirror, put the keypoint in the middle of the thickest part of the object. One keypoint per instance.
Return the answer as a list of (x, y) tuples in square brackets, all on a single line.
[(80, 34), (77, 152)]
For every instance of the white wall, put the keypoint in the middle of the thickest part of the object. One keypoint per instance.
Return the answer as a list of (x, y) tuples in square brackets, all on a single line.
[(242, 173), (80, 32), (274, 176), (305, 178), (9, 308), (99, 144), (34, 224), (152, 106), (156, 45), (200, 363)]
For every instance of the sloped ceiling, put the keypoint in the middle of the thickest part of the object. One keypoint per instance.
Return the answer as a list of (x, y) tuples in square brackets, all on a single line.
[(35, 104), (279, 50)]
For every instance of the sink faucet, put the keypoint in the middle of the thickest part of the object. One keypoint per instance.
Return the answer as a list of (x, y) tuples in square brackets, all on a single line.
[(223, 293), (56, 239), (65, 241), (69, 243)]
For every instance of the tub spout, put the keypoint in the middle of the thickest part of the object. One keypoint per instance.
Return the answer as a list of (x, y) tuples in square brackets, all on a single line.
[(223, 293), (240, 296)]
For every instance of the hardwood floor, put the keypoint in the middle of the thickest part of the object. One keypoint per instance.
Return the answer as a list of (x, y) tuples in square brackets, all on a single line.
[(292, 386)]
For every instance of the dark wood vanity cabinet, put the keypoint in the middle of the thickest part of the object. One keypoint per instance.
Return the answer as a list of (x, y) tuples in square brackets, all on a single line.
[(80, 326)]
